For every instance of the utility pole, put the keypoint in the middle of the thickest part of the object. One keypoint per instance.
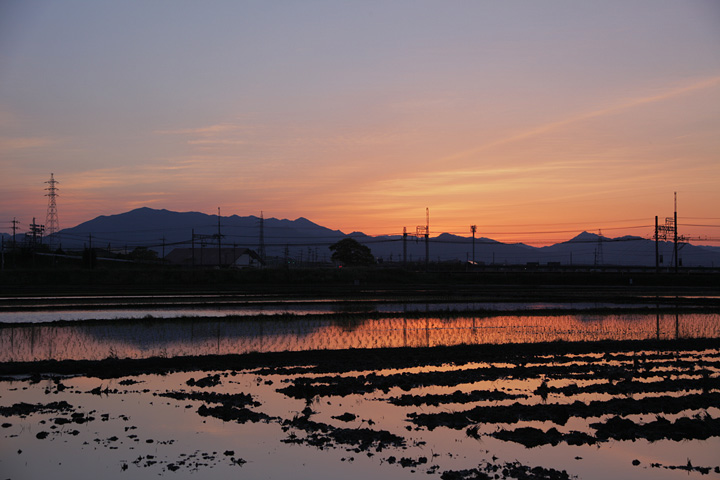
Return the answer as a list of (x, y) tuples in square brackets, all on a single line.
[(425, 231), (14, 229), (35, 231), (427, 238), (262, 237), (90, 253), (192, 247), (219, 242), (657, 247), (676, 236), (473, 229), (599, 260), (662, 233), (404, 246)]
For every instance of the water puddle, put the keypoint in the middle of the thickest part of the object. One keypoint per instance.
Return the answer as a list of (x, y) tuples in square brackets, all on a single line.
[(644, 415)]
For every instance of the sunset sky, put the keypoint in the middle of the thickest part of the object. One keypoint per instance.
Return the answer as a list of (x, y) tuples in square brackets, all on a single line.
[(534, 120)]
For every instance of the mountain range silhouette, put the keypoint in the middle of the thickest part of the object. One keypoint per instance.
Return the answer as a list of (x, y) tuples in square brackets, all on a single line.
[(302, 240)]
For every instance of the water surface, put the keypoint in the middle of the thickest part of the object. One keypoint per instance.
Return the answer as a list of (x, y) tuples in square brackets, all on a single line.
[(110, 310), (201, 336)]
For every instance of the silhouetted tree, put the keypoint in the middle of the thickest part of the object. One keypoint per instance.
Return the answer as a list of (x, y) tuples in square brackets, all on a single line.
[(349, 251), (143, 254)]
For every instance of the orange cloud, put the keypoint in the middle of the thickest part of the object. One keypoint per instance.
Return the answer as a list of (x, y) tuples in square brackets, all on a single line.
[(22, 143), (220, 134)]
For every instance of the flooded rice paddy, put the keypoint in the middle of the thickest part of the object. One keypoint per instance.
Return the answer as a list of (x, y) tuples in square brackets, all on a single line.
[(106, 310), (157, 337), (532, 396)]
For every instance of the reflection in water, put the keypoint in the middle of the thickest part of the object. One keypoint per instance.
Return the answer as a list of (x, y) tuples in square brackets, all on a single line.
[(141, 339), (108, 311)]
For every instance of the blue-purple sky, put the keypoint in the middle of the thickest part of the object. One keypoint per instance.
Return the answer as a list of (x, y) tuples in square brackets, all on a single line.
[(521, 117)]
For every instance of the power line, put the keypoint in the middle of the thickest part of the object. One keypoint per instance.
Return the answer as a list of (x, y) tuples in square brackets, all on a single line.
[(545, 232), (586, 222)]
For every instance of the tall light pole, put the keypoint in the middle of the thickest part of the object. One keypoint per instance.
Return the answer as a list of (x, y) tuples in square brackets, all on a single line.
[(473, 229)]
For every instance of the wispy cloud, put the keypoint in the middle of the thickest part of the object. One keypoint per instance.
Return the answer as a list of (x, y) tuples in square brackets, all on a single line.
[(209, 130), (621, 106), (23, 143), (220, 134), (6, 118), (216, 141)]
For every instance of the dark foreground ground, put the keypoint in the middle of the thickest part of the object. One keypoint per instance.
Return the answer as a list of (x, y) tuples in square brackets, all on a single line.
[(349, 281), (342, 361), (583, 398)]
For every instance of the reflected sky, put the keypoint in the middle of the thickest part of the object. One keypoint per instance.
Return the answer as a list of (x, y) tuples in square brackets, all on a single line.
[(124, 310), (134, 425), (174, 337)]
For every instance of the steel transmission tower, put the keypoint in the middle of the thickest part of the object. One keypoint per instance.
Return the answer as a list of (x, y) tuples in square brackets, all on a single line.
[(52, 225)]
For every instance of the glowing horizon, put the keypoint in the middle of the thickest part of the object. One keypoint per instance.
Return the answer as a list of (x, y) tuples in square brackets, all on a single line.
[(533, 122)]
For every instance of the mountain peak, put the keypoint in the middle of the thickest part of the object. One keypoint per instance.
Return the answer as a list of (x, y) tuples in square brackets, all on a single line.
[(304, 221), (585, 237)]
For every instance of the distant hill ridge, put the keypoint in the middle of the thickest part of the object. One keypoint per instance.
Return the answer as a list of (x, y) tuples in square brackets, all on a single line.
[(304, 240)]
